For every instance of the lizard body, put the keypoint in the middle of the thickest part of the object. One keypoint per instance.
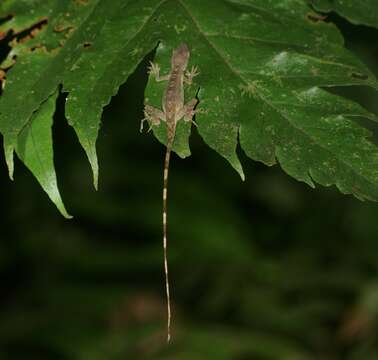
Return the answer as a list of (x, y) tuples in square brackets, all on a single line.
[(173, 110)]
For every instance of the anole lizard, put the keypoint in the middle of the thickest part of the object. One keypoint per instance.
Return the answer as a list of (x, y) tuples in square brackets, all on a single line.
[(174, 110)]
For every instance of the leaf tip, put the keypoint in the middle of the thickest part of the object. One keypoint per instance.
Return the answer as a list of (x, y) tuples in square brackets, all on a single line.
[(95, 174), (235, 163), (95, 182), (59, 204), (92, 157), (67, 216), (53, 193), (9, 160), (242, 175)]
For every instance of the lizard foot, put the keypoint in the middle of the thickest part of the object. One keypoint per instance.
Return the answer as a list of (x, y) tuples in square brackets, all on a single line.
[(154, 69), (142, 124), (153, 116), (191, 74)]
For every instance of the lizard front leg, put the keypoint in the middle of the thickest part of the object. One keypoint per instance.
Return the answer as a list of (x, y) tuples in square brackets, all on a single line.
[(154, 69), (189, 75), (153, 116)]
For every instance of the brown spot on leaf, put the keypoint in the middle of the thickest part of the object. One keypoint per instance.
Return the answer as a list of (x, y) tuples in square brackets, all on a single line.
[(314, 17), (68, 29), (87, 44), (60, 28)]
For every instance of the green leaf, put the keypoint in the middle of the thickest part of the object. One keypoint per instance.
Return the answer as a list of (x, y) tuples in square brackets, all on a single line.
[(263, 69), (35, 149), (358, 12)]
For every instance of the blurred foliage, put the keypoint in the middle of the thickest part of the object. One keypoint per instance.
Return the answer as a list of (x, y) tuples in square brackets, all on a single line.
[(265, 269)]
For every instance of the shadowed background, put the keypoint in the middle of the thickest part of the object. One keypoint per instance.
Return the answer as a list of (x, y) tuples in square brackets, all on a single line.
[(265, 269)]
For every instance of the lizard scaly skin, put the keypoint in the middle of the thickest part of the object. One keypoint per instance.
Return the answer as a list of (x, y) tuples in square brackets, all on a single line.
[(174, 110)]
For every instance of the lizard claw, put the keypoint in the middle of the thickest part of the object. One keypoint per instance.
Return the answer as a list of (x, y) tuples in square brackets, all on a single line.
[(141, 125), (189, 117), (191, 74), (154, 69), (194, 123)]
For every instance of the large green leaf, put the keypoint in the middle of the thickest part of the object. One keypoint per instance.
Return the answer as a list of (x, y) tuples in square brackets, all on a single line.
[(358, 12), (263, 66), (34, 147)]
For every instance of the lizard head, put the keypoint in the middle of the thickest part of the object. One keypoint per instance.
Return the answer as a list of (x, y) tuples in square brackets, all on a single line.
[(181, 56)]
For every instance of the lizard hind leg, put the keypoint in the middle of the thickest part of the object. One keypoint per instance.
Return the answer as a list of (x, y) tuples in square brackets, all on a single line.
[(153, 116), (187, 112)]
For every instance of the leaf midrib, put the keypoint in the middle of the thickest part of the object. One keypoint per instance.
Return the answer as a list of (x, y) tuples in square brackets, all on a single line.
[(320, 145)]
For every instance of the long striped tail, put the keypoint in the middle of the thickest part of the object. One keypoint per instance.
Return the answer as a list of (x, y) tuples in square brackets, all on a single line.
[(165, 193)]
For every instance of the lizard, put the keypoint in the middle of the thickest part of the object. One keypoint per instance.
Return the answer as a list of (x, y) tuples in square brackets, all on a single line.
[(173, 110)]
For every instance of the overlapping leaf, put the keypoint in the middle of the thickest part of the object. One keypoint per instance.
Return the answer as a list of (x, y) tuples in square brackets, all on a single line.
[(35, 149), (262, 65), (358, 12)]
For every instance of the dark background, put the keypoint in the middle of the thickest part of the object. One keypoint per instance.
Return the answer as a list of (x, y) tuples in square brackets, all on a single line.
[(265, 269)]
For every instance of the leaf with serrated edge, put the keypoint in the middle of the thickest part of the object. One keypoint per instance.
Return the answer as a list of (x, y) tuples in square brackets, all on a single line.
[(35, 149), (262, 64)]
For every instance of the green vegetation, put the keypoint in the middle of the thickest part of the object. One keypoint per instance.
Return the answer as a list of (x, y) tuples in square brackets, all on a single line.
[(263, 269)]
